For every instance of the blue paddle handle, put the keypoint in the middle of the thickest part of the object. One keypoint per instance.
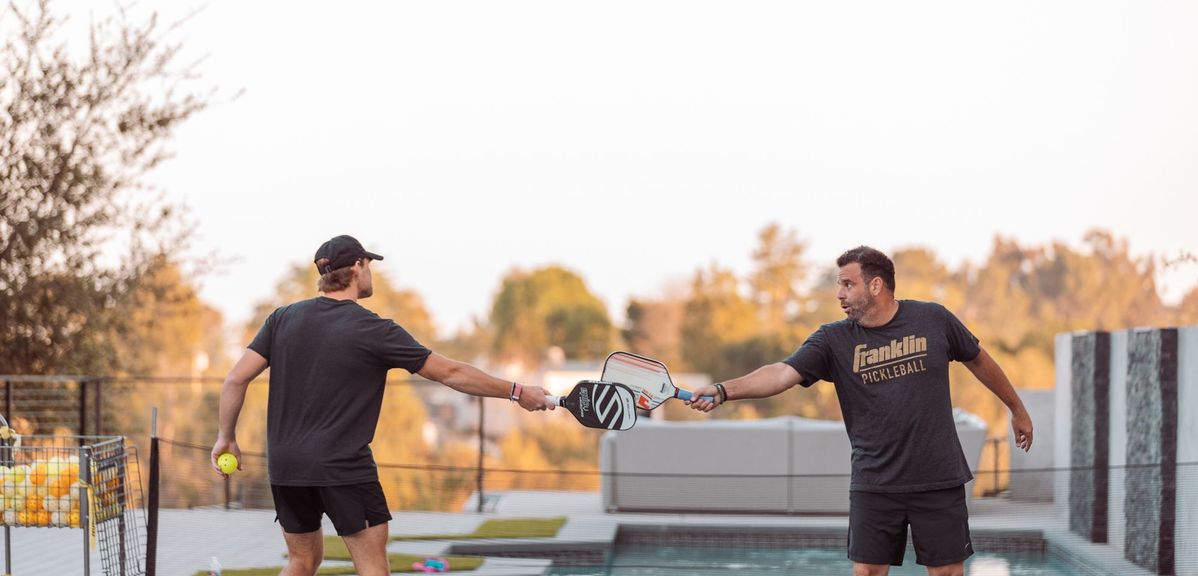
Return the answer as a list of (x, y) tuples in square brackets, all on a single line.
[(685, 395)]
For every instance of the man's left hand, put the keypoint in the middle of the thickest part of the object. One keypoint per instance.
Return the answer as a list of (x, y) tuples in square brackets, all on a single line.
[(1021, 425)]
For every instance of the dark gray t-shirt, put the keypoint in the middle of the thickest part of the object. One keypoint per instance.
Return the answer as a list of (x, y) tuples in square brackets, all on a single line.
[(892, 383), (328, 369)]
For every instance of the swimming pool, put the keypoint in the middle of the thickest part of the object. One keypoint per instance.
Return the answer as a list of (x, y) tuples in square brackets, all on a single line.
[(645, 560)]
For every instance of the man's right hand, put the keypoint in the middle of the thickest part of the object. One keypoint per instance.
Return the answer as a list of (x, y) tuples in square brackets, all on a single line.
[(705, 405), (532, 398), (225, 445)]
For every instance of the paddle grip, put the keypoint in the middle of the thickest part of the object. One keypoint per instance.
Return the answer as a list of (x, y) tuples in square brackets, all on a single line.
[(685, 395)]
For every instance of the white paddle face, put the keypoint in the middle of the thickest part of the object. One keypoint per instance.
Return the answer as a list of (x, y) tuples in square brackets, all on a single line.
[(648, 379)]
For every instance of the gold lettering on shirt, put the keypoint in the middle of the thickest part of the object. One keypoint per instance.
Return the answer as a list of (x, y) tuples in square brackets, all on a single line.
[(897, 359)]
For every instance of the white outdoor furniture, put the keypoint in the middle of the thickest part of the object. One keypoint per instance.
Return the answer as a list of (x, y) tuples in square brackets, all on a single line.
[(785, 465)]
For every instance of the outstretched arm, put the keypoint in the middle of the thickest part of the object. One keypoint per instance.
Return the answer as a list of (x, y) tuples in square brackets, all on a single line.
[(761, 383), (989, 373), (232, 397), (470, 380)]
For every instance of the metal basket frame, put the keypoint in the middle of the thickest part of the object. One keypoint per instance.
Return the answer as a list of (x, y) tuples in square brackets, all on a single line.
[(90, 473)]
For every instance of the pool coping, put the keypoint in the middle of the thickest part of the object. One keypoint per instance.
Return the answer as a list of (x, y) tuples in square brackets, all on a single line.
[(1084, 557)]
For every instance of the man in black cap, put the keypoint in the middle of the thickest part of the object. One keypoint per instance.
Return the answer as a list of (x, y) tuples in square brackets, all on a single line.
[(329, 359)]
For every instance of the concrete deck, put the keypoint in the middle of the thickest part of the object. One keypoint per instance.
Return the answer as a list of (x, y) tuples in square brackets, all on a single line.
[(250, 538)]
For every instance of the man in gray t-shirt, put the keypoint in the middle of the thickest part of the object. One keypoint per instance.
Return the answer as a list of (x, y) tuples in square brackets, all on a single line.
[(889, 362), (328, 359)]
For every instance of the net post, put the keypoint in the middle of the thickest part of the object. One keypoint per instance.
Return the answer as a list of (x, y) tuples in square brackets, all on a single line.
[(152, 513), (122, 468), (97, 407), (7, 461), (8, 400), (996, 440), (85, 511), (82, 409), (482, 413)]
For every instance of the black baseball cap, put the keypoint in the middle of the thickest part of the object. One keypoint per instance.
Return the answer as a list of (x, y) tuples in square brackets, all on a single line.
[(342, 251)]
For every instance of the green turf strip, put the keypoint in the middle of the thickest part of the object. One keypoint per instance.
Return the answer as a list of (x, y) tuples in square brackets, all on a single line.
[(334, 546), (505, 528), (399, 563)]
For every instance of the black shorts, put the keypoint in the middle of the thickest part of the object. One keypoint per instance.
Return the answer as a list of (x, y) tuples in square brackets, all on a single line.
[(351, 507), (939, 524)]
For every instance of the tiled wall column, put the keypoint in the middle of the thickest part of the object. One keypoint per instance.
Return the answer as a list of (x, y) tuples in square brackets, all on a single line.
[(1090, 437), (1185, 541), (1150, 487)]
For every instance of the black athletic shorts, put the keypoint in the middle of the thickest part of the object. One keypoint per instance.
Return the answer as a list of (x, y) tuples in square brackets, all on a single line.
[(939, 524), (351, 507)]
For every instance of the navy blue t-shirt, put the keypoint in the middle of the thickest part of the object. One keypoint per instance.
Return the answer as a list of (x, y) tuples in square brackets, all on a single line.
[(892, 384), (328, 369)]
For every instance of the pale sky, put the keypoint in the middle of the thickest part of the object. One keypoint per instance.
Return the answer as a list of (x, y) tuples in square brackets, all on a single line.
[(635, 142)]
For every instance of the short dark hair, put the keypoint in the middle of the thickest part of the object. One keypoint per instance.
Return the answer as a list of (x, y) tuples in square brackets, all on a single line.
[(873, 263)]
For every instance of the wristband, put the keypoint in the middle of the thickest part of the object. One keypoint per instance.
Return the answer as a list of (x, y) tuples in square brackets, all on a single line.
[(723, 393), (514, 395)]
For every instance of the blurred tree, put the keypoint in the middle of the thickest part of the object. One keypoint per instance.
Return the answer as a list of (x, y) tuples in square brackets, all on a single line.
[(777, 278), (653, 329), (556, 444), (399, 440), (404, 306), (436, 488), (77, 134), (167, 329), (471, 344), (747, 355), (715, 316), (822, 306), (1187, 310), (727, 335), (999, 306), (919, 275), (1022, 296), (1106, 289), (546, 307)]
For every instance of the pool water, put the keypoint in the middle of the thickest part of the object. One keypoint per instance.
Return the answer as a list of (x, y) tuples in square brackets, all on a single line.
[(642, 560)]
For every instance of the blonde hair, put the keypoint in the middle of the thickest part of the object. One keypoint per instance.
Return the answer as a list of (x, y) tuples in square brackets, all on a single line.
[(335, 280)]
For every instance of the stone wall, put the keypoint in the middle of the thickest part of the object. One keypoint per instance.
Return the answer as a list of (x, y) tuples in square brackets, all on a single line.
[(1127, 412), (1090, 438), (1185, 530), (1150, 489)]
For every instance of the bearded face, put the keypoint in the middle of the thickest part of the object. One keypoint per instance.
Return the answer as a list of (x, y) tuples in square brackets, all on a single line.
[(365, 282), (853, 292)]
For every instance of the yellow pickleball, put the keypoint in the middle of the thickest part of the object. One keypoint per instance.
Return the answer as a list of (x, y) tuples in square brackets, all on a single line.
[(227, 463)]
